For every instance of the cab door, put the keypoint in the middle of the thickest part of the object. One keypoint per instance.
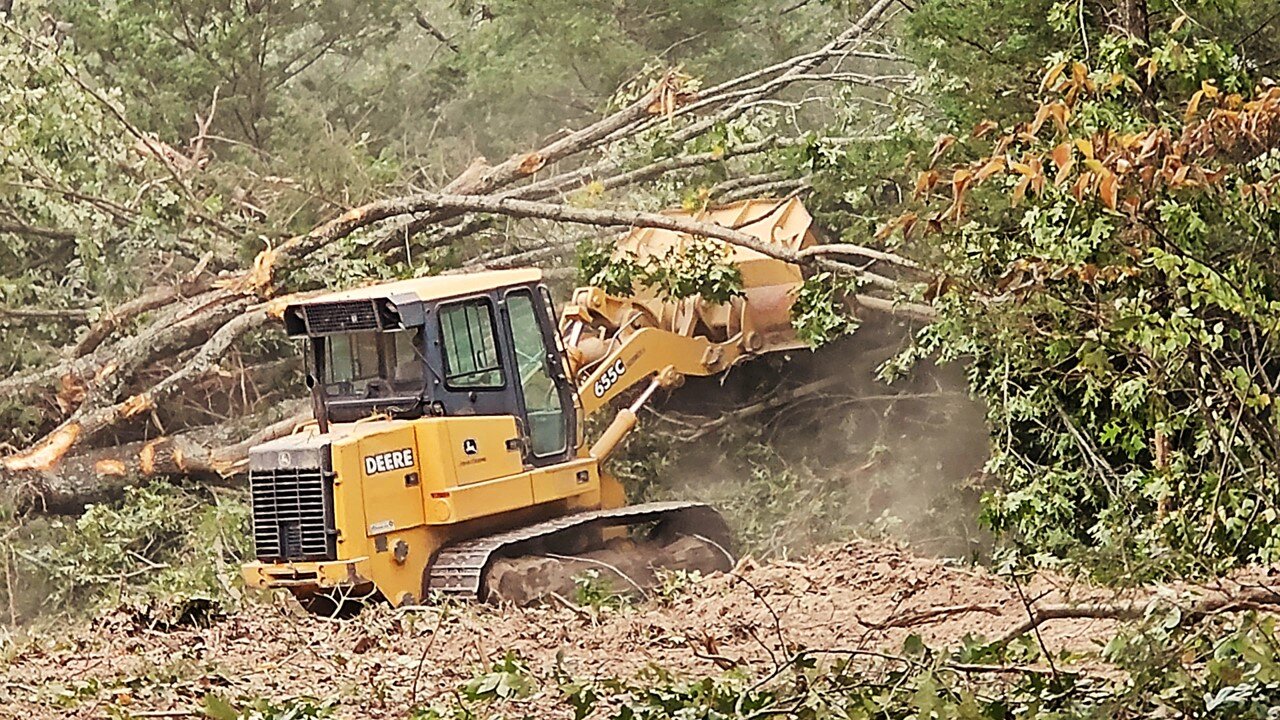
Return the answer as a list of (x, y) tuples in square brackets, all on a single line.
[(466, 360), (544, 394)]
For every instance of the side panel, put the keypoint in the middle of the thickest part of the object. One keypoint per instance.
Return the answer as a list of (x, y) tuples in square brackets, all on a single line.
[(491, 497), (391, 481), (567, 479), (483, 448)]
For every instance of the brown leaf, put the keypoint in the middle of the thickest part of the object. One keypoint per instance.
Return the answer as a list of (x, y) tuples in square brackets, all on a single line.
[(989, 168), (1051, 77), (1041, 116), (1062, 155), (1064, 172), (925, 182), (960, 183), (1193, 105), (943, 143), (984, 128), (904, 222), (1059, 113), (1082, 183), (1108, 188), (1020, 190)]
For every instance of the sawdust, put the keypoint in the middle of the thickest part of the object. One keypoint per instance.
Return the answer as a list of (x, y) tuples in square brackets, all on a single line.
[(856, 595)]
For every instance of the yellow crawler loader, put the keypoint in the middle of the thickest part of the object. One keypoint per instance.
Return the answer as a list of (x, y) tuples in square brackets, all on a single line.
[(449, 417)]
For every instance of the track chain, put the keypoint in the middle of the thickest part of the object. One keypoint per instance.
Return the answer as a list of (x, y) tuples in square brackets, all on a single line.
[(458, 570)]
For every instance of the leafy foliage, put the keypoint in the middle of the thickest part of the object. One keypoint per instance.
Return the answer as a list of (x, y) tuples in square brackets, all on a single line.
[(1158, 670), (820, 313), (1113, 283), (216, 708), (698, 268), (86, 211), (160, 543)]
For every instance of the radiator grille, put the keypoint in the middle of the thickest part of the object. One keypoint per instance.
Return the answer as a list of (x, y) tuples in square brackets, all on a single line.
[(341, 317), (292, 514)]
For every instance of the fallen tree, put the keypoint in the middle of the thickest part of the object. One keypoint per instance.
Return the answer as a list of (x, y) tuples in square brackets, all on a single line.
[(141, 355)]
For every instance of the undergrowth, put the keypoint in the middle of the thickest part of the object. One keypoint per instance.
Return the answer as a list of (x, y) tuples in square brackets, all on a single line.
[(1158, 669), (159, 544)]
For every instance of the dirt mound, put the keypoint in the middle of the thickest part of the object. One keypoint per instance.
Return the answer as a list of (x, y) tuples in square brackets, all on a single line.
[(857, 595)]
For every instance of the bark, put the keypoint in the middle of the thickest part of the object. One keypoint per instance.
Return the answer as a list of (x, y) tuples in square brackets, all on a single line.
[(216, 455), (154, 298), (1207, 602), (1134, 19)]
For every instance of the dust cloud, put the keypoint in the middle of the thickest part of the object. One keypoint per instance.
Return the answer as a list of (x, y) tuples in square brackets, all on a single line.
[(813, 448)]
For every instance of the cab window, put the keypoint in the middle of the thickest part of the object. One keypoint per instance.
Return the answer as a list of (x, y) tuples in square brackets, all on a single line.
[(543, 405), (373, 364), (470, 350)]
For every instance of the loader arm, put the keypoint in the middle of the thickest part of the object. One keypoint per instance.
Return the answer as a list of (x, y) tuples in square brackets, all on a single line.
[(652, 353)]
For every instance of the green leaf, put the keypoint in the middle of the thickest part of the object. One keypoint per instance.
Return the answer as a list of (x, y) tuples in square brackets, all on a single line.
[(215, 708)]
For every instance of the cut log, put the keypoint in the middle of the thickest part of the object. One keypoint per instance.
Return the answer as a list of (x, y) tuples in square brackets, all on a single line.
[(101, 475)]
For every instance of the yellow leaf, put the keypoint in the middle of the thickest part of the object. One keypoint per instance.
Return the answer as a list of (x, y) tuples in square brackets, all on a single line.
[(1193, 105), (1020, 190), (1177, 23), (991, 167), (1085, 147), (1052, 76)]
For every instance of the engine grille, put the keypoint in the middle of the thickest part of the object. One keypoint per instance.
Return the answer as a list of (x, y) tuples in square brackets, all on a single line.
[(341, 317), (293, 514)]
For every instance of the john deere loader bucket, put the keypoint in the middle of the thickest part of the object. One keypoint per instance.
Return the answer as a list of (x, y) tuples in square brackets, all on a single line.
[(758, 321)]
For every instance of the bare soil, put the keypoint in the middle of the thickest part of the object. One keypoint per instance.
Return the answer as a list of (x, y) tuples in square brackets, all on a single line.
[(856, 595)]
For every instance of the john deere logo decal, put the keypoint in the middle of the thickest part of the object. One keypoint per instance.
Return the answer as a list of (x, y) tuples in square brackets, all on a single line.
[(388, 461), (470, 447)]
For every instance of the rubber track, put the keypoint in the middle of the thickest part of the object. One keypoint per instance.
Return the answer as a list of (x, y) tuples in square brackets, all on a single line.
[(458, 569)]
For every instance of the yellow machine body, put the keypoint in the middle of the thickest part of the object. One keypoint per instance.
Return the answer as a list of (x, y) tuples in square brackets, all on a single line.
[(369, 497)]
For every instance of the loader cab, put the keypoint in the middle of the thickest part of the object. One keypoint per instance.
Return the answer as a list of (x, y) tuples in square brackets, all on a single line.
[(480, 344)]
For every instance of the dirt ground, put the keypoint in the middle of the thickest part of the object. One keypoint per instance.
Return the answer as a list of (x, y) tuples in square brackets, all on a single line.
[(857, 595)]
